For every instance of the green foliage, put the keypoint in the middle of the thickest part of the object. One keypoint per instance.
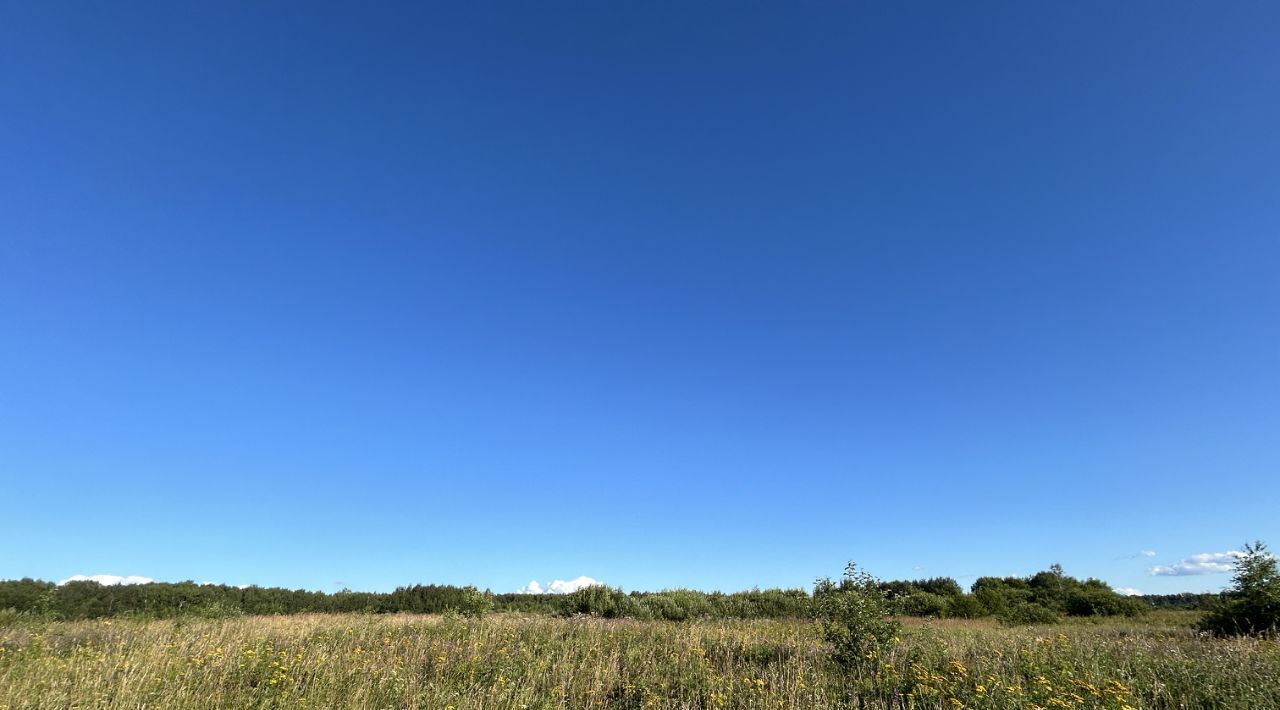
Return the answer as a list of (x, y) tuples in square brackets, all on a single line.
[(964, 606), (940, 597), (23, 594), (475, 603), (1252, 605), (761, 604), (1096, 598), (677, 605), (1045, 596), (436, 599), (599, 600), (855, 616), (923, 604), (943, 586), (89, 600), (1181, 600)]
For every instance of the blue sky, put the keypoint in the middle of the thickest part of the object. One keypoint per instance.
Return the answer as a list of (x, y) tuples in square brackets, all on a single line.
[(666, 294)]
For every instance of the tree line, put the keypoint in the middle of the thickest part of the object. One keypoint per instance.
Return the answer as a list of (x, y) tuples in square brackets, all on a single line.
[(1039, 598)]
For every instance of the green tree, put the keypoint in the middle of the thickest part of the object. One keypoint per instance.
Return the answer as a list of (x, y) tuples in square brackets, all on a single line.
[(856, 617), (922, 603), (475, 603), (1252, 605), (599, 600)]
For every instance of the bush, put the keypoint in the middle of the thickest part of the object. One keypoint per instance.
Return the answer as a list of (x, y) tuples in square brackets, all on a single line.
[(1252, 605), (1097, 599), (475, 603), (24, 594), (1028, 613), (599, 600), (1044, 596), (923, 604), (965, 606), (676, 604), (855, 617), (998, 595), (944, 586)]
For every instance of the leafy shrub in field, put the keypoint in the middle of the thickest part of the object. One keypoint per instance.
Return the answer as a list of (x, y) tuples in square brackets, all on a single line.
[(762, 604), (23, 594), (661, 606), (923, 604), (1252, 605), (997, 595), (855, 616), (599, 600), (436, 599), (1044, 596), (964, 606), (677, 605), (941, 586), (1095, 598), (474, 603)]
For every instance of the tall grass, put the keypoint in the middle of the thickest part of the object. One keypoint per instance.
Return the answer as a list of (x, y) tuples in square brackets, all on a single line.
[(510, 661)]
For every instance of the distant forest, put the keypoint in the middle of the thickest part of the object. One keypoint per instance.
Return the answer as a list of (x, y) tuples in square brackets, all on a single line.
[(1040, 598)]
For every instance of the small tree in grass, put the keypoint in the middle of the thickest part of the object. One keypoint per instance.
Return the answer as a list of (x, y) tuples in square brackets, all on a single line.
[(855, 617), (475, 603), (1252, 605)]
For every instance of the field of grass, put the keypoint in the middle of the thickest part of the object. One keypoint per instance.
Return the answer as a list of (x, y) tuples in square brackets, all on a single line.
[(509, 661)]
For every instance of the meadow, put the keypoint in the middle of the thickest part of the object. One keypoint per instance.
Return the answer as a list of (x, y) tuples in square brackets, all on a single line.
[(511, 660)]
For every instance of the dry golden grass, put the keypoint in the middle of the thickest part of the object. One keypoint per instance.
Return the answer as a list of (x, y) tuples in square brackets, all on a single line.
[(508, 661)]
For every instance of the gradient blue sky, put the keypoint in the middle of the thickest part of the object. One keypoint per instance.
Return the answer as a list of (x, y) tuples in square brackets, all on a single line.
[(667, 294)]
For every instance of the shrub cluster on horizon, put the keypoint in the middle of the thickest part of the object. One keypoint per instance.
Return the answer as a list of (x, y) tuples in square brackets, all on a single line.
[(1040, 598)]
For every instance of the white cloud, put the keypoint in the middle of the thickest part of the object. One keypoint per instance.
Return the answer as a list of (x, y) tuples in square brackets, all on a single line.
[(558, 586), (107, 579), (1203, 563), (1147, 553), (1129, 591)]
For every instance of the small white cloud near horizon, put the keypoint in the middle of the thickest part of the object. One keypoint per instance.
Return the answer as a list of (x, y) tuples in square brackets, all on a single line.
[(559, 586), (1203, 563), (1129, 591), (1147, 553), (107, 580)]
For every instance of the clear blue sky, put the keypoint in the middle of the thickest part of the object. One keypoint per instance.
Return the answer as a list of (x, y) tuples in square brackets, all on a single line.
[(667, 294)]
